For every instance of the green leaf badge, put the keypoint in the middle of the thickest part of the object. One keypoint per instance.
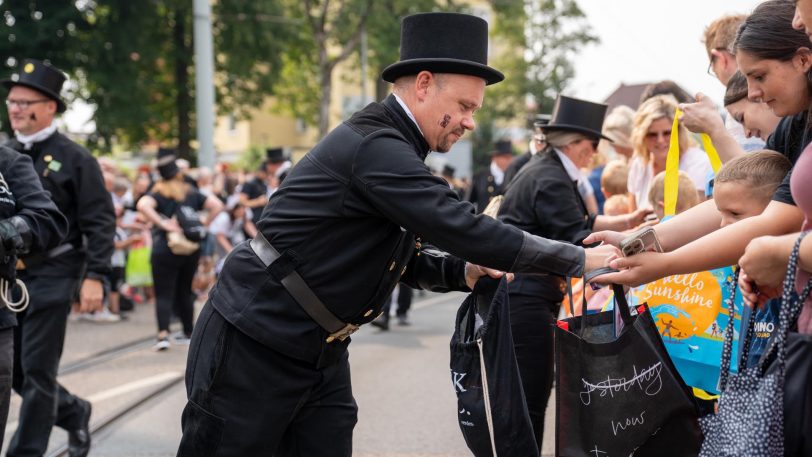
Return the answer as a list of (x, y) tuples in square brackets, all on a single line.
[(55, 165)]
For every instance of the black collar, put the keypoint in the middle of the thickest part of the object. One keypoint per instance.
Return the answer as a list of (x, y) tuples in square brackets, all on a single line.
[(406, 126)]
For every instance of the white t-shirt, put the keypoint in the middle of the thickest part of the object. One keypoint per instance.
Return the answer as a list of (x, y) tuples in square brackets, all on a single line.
[(233, 230), (693, 161)]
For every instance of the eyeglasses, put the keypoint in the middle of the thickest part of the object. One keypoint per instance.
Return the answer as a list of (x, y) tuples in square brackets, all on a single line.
[(24, 104), (712, 60)]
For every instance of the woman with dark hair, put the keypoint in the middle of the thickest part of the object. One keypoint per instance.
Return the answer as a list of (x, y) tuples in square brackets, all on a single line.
[(173, 273), (757, 118), (777, 62)]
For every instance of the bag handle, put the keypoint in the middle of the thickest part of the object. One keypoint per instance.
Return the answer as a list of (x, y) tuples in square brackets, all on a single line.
[(727, 347), (789, 308), (620, 302), (672, 165)]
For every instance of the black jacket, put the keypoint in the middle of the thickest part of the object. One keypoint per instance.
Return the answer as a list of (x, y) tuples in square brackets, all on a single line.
[(513, 168), (543, 200), (347, 217), (22, 196), (483, 189), (74, 179)]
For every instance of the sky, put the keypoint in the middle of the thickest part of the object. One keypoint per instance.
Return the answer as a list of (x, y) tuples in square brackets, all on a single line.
[(647, 41)]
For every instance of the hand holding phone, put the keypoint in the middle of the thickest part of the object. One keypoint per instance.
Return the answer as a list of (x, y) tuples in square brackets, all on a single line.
[(643, 240)]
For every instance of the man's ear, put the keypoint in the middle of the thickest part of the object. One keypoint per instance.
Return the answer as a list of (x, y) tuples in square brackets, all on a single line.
[(422, 83)]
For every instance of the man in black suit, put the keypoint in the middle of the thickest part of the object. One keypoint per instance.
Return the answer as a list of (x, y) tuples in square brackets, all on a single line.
[(488, 183), (543, 199)]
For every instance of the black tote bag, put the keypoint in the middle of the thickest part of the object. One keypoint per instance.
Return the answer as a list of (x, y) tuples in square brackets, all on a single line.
[(618, 395), (491, 405)]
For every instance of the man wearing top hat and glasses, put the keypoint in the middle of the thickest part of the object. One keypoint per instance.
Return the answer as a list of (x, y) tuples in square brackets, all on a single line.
[(268, 370), (543, 199), (81, 263)]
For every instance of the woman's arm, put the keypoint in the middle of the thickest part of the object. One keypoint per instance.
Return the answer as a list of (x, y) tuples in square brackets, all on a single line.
[(146, 206), (224, 242), (675, 232), (718, 249), (213, 205)]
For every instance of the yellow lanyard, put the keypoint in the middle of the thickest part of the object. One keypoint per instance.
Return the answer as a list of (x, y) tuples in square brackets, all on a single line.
[(672, 165)]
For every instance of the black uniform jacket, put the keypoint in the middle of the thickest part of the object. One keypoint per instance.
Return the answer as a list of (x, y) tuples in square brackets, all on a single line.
[(483, 189), (74, 179), (513, 168), (347, 218), (21, 195), (543, 200)]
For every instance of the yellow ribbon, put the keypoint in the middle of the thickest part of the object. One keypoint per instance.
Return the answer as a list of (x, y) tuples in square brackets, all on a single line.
[(672, 165)]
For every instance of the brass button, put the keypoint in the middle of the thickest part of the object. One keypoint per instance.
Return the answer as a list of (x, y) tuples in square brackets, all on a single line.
[(368, 313), (490, 189), (392, 267)]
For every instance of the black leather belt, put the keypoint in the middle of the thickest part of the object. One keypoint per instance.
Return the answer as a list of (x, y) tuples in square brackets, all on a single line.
[(35, 260), (302, 293)]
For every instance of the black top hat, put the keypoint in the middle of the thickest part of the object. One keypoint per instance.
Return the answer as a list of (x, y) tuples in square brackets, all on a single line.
[(275, 155), (575, 115), (443, 43), (167, 167), (41, 77), (502, 147)]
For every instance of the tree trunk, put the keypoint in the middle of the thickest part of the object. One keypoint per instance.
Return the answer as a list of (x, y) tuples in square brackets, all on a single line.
[(183, 101), (324, 103)]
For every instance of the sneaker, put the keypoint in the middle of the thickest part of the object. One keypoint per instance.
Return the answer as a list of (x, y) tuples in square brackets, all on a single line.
[(403, 320), (181, 339), (161, 345), (104, 316)]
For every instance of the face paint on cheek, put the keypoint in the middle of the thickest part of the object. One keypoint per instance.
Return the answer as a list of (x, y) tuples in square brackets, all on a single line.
[(446, 120)]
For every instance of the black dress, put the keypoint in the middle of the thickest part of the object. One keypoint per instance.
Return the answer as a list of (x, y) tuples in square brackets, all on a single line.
[(543, 200)]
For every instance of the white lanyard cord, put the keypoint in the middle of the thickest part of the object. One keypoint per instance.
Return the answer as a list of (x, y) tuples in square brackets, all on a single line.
[(5, 296)]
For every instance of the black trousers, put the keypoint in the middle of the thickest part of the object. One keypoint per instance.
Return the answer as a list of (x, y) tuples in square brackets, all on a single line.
[(531, 322), (6, 366), (245, 399), (172, 277), (38, 341), (405, 295)]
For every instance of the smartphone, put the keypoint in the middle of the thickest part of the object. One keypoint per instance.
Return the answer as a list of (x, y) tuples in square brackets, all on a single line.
[(642, 240)]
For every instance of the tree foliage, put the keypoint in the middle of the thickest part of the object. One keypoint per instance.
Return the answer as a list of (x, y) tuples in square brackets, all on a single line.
[(134, 60), (551, 32)]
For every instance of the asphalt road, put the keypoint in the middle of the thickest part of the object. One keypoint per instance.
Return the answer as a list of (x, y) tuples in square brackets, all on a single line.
[(401, 382)]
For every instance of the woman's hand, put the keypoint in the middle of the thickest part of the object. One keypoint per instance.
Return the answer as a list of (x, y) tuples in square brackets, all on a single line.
[(638, 217), (474, 272), (763, 268), (753, 295), (170, 225), (702, 116), (606, 237), (637, 270)]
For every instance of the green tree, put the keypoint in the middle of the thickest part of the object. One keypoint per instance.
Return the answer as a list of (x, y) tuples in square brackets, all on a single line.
[(134, 60)]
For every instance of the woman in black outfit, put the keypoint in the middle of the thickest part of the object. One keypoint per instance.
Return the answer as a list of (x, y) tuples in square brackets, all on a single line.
[(172, 274), (543, 199)]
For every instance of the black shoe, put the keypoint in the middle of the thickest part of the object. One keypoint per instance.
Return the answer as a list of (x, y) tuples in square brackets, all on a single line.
[(403, 320), (382, 322), (79, 439)]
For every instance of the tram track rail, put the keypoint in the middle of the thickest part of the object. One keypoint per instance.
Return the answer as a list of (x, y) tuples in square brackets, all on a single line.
[(108, 422)]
